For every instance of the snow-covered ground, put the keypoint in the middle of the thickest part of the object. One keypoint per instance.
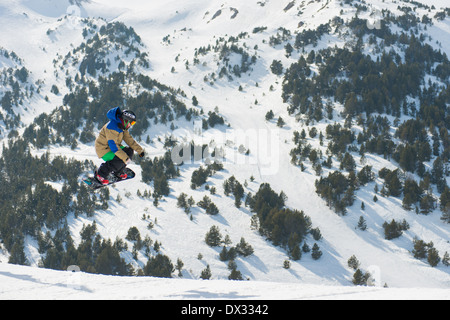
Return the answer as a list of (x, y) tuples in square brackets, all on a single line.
[(190, 25), (17, 282)]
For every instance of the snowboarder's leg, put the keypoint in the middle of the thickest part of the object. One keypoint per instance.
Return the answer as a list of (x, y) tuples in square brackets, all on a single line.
[(119, 173), (106, 168), (115, 165)]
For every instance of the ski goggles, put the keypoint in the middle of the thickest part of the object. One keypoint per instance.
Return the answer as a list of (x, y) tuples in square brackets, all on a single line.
[(128, 123)]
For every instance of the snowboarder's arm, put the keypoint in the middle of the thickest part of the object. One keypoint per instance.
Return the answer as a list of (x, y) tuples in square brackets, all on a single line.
[(132, 143)]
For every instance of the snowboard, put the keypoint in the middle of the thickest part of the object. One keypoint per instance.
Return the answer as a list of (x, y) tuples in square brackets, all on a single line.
[(95, 184)]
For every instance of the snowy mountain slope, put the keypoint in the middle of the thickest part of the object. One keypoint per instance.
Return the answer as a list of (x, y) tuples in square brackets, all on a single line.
[(249, 117), (38, 40), (41, 284), (172, 32)]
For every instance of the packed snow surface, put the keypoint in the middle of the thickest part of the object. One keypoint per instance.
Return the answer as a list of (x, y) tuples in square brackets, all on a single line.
[(17, 282)]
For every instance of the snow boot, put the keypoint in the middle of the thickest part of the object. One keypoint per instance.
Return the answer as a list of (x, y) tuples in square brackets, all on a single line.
[(101, 179)]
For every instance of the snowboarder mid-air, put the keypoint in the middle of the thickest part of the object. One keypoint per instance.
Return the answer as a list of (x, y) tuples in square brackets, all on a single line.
[(108, 145)]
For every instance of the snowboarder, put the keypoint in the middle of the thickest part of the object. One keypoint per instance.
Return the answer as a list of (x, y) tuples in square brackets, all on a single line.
[(108, 145)]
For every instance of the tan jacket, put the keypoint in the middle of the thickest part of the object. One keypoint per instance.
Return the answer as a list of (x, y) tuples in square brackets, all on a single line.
[(103, 142)]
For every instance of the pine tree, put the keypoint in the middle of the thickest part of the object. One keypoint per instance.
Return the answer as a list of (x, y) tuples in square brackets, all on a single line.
[(445, 204), (109, 261), (227, 187), (362, 224), (437, 172), (316, 253), (179, 266), (159, 266), (235, 275), (244, 249), (353, 262), (194, 101), (306, 248), (212, 209), (433, 257), (280, 122), (17, 254), (182, 202), (133, 234), (446, 259), (427, 204), (223, 255), (213, 237), (254, 222), (206, 273), (238, 192), (204, 203), (393, 229), (227, 240), (315, 232), (359, 278), (296, 253), (226, 255), (269, 115), (420, 249)]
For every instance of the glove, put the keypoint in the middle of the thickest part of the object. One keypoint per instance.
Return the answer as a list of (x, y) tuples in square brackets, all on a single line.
[(142, 154)]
